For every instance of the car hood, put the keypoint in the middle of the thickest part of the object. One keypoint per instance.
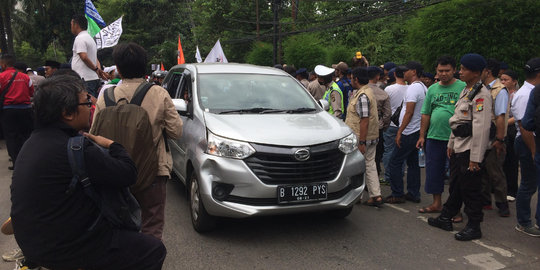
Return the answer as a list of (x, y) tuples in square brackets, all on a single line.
[(278, 129)]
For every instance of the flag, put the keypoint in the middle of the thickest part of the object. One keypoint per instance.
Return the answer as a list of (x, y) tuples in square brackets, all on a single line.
[(198, 55), (216, 55), (162, 66), (181, 59), (93, 18), (109, 36)]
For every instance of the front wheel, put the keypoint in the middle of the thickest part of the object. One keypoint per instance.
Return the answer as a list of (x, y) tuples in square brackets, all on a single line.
[(200, 219)]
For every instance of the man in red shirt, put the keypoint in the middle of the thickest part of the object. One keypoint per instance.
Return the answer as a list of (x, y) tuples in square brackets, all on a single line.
[(16, 113)]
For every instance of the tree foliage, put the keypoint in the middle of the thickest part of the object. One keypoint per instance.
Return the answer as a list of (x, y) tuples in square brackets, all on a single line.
[(304, 51), (260, 54)]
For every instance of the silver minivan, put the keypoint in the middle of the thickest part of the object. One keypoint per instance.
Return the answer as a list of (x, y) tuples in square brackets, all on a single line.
[(256, 143)]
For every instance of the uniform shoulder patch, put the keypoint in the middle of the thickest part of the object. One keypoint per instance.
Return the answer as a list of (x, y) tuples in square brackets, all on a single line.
[(479, 104)]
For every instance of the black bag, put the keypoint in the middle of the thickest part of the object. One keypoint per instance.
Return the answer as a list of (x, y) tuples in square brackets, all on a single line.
[(395, 116), (117, 205)]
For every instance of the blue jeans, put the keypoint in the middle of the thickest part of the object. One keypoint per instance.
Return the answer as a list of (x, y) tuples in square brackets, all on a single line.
[(407, 152), (529, 183), (389, 139)]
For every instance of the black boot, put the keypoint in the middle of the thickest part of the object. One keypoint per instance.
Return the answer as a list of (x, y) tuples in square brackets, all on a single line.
[(470, 232), (441, 222), (504, 211)]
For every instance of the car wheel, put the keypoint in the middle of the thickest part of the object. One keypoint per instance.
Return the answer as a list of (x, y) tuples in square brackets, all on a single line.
[(341, 213), (200, 219)]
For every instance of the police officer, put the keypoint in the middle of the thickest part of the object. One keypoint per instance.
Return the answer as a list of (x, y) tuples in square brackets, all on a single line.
[(158, 76), (333, 93), (468, 142)]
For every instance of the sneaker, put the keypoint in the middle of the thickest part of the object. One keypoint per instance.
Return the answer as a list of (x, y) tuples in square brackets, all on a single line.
[(531, 230), (410, 197), (510, 198), (13, 255)]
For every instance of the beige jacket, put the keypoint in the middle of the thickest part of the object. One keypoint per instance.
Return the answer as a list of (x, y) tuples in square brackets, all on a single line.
[(162, 114), (316, 90), (479, 113)]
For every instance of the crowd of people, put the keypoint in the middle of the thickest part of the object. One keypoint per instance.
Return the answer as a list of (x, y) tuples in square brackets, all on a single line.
[(469, 124), (476, 127)]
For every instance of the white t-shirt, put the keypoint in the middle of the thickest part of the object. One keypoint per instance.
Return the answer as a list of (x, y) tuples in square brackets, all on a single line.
[(416, 92), (84, 43), (519, 103), (396, 92)]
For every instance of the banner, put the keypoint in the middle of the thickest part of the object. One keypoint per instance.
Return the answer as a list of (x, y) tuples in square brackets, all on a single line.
[(198, 55), (109, 36), (216, 55), (91, 11)]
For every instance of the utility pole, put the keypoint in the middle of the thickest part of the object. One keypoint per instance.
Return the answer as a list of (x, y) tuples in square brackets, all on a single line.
[(257, 12), (275, 6)]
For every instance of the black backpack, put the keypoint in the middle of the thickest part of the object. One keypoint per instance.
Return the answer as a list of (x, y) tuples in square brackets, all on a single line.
[(117, 205)]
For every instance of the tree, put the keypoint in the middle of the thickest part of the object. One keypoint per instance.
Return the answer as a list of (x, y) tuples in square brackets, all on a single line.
[(260, 54), (498, 29)]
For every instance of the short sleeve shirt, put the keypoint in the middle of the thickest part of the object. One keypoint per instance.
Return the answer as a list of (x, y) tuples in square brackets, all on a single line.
[(519, 103), (362, 106), (416, 92), (84, 43), (440, 104)]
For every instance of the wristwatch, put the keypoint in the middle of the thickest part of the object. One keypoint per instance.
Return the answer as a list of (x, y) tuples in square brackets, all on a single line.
[(499, 140), (95, 69), (362, 142)]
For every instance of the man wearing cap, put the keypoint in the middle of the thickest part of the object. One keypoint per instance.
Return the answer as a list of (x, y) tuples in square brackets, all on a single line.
[(85, 61), (383, 108), (428, 79), (36, 79), (344, 83), (437, 109), (50, 67), (383, 80), (362, 118), (494, 180), (359, 60), (525, 145), (16, 117), (406, 138), (301, 76), (467, 146), (333, 94)]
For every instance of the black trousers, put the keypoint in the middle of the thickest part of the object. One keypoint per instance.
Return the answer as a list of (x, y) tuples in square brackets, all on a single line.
[(465, 187), (17, 125), (511, 162), (380, 151)]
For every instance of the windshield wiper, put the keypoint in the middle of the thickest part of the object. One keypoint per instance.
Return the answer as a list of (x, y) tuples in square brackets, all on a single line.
[(301, 110), (252, 110)]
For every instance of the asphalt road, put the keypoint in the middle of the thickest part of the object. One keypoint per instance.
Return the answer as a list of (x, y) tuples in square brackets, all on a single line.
[(389, 237)]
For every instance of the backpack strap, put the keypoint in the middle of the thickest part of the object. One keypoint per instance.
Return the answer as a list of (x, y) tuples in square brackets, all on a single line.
[(109, 98), (140, 92)]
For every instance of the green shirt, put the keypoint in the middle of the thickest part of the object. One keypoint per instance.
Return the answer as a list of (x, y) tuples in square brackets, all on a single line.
[(440, 104)]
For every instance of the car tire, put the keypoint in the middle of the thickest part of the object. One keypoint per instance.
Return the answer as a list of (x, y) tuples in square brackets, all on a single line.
[(200, 219), (341, 213)]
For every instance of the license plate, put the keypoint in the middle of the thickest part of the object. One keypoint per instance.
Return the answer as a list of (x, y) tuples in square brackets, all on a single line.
[(302, 193)]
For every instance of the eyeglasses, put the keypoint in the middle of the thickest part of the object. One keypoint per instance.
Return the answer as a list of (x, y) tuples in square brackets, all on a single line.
[(88, 103)]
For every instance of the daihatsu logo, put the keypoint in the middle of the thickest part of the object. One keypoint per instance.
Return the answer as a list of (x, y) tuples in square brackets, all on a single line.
[(302, 154)]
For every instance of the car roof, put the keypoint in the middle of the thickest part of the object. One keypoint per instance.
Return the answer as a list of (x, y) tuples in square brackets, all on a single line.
[(236, 68)]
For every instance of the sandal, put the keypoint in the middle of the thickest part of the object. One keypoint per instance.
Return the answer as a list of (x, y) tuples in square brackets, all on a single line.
[(374, 201), (394, 200), (428, 210), (458, 218)]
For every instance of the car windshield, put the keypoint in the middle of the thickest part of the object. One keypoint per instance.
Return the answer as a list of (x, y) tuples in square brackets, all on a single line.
[(253, 93)]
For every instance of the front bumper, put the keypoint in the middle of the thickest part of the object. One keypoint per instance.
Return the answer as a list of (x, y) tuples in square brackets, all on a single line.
[(251, 197)]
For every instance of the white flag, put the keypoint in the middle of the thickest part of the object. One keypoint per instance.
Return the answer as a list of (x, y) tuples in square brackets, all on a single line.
[(216, 55), (198, 55), (109, 36)]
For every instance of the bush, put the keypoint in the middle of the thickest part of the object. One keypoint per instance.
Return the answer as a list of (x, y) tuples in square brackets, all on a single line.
[(304, 51), (338, 54), (261, 54)]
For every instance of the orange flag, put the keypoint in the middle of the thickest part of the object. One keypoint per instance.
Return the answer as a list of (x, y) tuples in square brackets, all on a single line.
[(162, 67), (181, 59)]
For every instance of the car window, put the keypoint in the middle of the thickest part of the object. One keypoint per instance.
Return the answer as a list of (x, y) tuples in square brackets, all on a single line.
[(222, 92), (172, 85)]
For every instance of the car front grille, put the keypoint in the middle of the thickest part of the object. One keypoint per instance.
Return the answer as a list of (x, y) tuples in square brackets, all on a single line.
[(278, 165)]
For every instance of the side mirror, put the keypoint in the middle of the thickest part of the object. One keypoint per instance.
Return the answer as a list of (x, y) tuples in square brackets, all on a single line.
[(324, 104), (180, 105)]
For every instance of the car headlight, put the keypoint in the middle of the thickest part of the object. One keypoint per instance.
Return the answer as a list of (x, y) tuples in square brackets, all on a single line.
[(222, 147), (348, 144)]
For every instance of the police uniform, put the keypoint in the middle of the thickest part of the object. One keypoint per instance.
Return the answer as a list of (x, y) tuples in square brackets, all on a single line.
[(469, 141), (334, 96)]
